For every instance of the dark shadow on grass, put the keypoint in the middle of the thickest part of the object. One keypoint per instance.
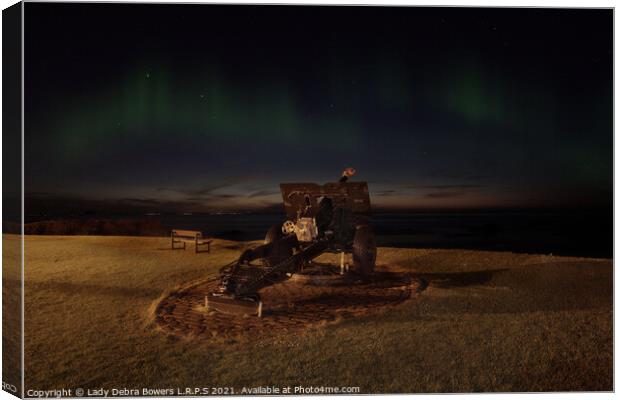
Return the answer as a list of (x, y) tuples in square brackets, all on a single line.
[(234, 246), (458, 279), (534, 288)]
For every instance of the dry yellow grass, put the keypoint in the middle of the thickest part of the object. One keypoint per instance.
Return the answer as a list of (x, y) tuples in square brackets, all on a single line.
[(487, 322), (11, 313)]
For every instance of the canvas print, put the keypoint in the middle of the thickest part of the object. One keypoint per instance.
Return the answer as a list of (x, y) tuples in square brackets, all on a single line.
[(287, 199)]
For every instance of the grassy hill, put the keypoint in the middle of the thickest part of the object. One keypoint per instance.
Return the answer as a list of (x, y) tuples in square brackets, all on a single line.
[(486, 322)]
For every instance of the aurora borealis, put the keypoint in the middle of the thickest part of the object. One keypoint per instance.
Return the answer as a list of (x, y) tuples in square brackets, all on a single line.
[(203, 107)]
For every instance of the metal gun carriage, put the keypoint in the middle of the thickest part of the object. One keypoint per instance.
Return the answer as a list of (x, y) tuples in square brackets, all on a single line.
[(334, 217)]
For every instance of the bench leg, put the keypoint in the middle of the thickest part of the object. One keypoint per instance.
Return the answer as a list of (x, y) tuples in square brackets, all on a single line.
[(172, 243)]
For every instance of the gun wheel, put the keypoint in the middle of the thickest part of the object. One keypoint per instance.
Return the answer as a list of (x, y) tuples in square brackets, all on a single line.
[(288, 227), (364, 250)]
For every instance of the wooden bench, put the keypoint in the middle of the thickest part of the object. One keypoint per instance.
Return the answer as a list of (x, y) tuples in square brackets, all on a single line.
[(183, 236)]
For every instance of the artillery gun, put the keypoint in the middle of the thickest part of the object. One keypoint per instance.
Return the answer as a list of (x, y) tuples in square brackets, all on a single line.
[(334, 217)]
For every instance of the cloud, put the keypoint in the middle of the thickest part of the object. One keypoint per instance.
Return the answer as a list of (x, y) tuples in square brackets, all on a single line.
[(441, 195), (261, 193), (384, 193), (449, 187), (141, 201), (449, 190), (222, 196), (202, 191), (450, 174)]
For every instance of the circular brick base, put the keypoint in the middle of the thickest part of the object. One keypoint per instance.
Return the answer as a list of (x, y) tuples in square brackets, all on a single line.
[(288, 307)]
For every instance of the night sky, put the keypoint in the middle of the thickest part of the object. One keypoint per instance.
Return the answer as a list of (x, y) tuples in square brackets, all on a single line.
[(208, 108)]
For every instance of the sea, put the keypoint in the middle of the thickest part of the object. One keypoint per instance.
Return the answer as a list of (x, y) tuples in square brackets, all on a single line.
[(566, 232)]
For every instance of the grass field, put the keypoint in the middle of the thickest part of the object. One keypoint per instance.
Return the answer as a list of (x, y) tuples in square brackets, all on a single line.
[(486, 322), (11, 313)]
